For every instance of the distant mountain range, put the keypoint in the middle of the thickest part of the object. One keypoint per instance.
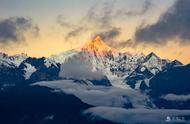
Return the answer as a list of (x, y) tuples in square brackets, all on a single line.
[(133, 70)]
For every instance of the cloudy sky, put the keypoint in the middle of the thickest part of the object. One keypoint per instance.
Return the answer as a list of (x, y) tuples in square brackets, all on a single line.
[(46, 27)]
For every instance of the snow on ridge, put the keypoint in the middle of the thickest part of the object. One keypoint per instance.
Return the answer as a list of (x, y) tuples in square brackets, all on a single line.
[(49, 62), (114, 65), (14, 59), (29, 70), (60, 58)]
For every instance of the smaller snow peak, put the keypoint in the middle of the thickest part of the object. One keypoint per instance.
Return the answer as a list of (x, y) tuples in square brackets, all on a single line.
[(4, 55), (14, 59), (60, 58), (152, 57), (176, 62), (22, 55), (18, 58)]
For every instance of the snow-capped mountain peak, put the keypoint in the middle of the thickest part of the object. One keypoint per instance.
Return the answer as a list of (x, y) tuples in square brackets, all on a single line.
[(98, 47), (18, 58), (60, 58), (152, 61), (120, 68), (152, 56)]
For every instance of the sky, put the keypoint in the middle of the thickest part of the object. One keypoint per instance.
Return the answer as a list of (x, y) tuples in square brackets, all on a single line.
[(45, 27)]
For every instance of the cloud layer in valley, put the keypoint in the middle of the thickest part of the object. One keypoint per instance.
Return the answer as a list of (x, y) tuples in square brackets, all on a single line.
[(100, 95), (138, 116), (174, 97)]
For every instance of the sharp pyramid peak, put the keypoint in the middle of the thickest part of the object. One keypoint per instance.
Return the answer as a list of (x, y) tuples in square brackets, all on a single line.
[(152, 54), (97, 45), (97, 41), (98, 38)]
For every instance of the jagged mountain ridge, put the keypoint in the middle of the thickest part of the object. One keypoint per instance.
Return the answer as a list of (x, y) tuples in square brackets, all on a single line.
[(121, 69), (119, 65), (14, 60), (97, 67)]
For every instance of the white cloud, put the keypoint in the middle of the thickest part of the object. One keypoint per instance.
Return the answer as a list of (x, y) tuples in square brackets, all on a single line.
[(134, 116), (174, 97), (77, 67), (100, 95)]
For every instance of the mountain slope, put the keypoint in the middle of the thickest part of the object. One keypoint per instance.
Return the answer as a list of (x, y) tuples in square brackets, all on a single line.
[(175, 80), (125, 70)]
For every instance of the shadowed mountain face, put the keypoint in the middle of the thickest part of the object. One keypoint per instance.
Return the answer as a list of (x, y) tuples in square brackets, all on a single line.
[(38, 105), (175, 80), (42, 71), (170, 88)]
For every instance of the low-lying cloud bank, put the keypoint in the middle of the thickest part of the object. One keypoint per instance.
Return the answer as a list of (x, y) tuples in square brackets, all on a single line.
[(100, 95), (174, 97), (138, 116)]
